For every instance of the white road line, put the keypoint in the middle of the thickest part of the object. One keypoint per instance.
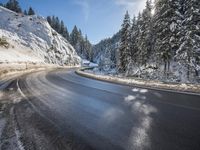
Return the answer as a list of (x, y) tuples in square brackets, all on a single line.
[(20, 91)]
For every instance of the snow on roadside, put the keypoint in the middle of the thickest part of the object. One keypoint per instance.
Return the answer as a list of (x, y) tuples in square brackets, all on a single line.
[(192, 88), (93, 64), (17, 53), (9, 70)]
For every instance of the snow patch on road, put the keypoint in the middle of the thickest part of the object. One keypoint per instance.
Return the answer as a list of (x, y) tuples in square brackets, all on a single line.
[(139, 137)]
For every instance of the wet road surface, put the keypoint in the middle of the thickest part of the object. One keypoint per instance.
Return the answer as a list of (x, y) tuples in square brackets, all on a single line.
[(62, 110)]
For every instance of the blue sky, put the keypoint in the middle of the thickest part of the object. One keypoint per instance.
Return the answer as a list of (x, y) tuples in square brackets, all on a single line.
[(98, 19)]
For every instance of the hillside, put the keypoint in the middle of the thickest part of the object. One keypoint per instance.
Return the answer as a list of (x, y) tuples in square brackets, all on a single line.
[(31, 39), (105, 51)]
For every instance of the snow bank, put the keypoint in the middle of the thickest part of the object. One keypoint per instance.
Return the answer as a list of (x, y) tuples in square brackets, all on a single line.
[(191, 88), (32, 39)]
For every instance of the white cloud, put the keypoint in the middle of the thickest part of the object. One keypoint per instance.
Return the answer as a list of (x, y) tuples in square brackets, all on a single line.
[(127, 2), (133, 6), (85, 6)]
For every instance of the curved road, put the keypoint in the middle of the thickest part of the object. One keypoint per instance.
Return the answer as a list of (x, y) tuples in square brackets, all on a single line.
[(62, 110)]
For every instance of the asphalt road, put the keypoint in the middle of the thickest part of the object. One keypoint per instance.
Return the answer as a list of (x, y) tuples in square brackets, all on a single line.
[(60, 110)]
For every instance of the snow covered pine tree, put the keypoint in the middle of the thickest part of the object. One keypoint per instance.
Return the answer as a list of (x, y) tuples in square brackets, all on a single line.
[(124, 49), (166, 23), (145, 36), (189, 52)]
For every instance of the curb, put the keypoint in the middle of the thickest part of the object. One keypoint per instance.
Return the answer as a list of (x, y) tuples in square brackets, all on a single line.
[(121, 81)]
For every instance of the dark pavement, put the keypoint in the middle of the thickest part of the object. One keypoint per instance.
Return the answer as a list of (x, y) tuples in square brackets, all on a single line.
[(62, 110)]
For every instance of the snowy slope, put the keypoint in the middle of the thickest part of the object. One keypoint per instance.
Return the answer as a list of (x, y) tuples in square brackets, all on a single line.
[(104, 53), (34, 36)]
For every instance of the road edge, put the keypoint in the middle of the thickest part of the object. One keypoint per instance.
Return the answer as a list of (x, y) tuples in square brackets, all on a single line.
[(9, 76), (159, 86)]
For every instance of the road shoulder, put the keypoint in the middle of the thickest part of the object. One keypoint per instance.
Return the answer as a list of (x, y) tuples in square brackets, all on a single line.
[(147, 84)]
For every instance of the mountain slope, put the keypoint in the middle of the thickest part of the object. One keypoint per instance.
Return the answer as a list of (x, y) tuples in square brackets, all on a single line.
[(33, 35), (104, 53)]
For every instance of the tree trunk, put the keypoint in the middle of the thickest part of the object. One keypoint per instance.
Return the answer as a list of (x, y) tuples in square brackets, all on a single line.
[(168, 68), (188, 72), (196, 73), (165, 68), (188, 69)]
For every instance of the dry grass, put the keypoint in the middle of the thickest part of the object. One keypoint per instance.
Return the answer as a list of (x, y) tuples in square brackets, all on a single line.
[(10, 69), (4, 43)]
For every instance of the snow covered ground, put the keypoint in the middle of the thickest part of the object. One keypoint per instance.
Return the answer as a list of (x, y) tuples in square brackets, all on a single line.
[(18, 54), (31, 39), (8, 70), (87, 63)]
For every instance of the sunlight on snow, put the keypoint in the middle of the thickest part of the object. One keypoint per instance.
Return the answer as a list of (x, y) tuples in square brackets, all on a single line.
[(139, 138), (112, 114), (130, 98), (135, 90), (143, 91), (140, 90)]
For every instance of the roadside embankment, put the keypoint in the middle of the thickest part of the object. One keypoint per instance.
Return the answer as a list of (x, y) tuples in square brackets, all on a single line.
[(150, 84), (9, 70)]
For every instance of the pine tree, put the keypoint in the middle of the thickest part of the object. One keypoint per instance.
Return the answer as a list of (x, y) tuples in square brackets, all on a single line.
[(66, 34), (62, 28), (78, 47), (49, 20), (53, 22), (14, 6), (25, 12), (88, 49), (57, 24), (31, 11), (145, 36), (81, 44), (82, 47), (74, 36), (124, 49), (166, 26), (133, 44), (189, 52)]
